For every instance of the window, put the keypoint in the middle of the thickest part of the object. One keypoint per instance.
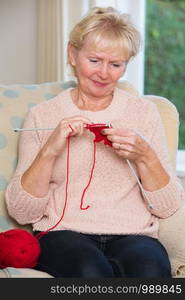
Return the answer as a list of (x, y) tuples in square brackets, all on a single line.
[(164, 54)]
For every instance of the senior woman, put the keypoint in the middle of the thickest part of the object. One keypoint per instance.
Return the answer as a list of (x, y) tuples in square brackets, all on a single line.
[(113, 231)]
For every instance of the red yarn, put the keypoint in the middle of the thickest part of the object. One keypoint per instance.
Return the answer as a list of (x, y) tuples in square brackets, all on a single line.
[(18, 249), (96, 129), (83, 194), (41, 234)]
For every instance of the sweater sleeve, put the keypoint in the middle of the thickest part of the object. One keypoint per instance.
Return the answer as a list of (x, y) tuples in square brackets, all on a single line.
[(165, 201), (21, 205)]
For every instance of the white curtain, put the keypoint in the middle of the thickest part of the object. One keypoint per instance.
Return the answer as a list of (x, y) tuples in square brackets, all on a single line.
[(55, 20), (49, 40)]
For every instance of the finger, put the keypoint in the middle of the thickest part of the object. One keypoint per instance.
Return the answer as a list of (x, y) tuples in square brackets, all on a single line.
[(116, 146), (79, 128), (124, 154), (115, 139), (122, 140), (122, 147), (82, 128), (61, 131), (117, 131), (108, 131), (72, 132), (74, 128)]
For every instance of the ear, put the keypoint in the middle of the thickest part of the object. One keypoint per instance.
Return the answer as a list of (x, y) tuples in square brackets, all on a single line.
[(71, 54)]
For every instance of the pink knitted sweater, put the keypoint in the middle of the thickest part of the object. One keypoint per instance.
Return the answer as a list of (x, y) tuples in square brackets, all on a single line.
[(117, 204)]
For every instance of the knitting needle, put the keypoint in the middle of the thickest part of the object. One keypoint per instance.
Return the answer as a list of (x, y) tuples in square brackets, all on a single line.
[(31, 129), (38, 129)]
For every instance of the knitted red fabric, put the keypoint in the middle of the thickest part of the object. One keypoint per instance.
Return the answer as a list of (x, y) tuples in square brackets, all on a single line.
[(18, 249), (96, 129)]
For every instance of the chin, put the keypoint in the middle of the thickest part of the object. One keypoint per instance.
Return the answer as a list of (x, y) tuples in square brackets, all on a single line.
[(101, 90)]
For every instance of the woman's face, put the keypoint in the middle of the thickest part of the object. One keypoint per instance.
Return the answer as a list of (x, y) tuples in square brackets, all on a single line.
[(97, 70)]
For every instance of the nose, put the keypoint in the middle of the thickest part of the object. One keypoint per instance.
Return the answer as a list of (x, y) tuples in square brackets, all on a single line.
[(103, 72)]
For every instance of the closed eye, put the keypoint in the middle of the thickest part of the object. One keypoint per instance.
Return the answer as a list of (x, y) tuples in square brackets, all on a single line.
[(116, 65), (93, 60)]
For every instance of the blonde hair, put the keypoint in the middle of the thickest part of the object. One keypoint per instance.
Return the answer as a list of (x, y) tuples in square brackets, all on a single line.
[(109, 27)]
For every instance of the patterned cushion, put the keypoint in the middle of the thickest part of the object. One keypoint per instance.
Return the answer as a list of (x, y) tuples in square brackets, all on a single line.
[(23, 273), (15, 101), (170, 117)]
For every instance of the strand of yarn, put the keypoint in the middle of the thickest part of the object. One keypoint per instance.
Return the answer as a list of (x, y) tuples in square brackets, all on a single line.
[(41, 234), (90, 178)]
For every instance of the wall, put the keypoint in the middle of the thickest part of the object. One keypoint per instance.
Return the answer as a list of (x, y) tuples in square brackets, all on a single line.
[(18, 41)]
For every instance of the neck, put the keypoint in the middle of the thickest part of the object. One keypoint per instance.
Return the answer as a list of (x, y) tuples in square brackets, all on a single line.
[(86, 102)]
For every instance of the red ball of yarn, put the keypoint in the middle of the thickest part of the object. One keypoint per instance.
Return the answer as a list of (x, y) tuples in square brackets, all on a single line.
[(18, 249)]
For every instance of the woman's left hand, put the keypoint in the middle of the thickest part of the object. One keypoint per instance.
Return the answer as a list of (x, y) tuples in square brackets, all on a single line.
[(130, 145), (127, 143)]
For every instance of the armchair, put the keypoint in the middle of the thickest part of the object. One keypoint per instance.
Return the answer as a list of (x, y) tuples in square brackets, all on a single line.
[(15, 101)]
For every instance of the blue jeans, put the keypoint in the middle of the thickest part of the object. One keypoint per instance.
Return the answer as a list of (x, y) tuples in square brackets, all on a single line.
[(72, 254)]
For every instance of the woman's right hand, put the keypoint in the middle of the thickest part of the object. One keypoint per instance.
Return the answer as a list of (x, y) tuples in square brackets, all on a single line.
[(73, 126)]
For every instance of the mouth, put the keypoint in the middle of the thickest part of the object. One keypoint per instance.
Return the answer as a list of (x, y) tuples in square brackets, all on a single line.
[(100, 84)]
